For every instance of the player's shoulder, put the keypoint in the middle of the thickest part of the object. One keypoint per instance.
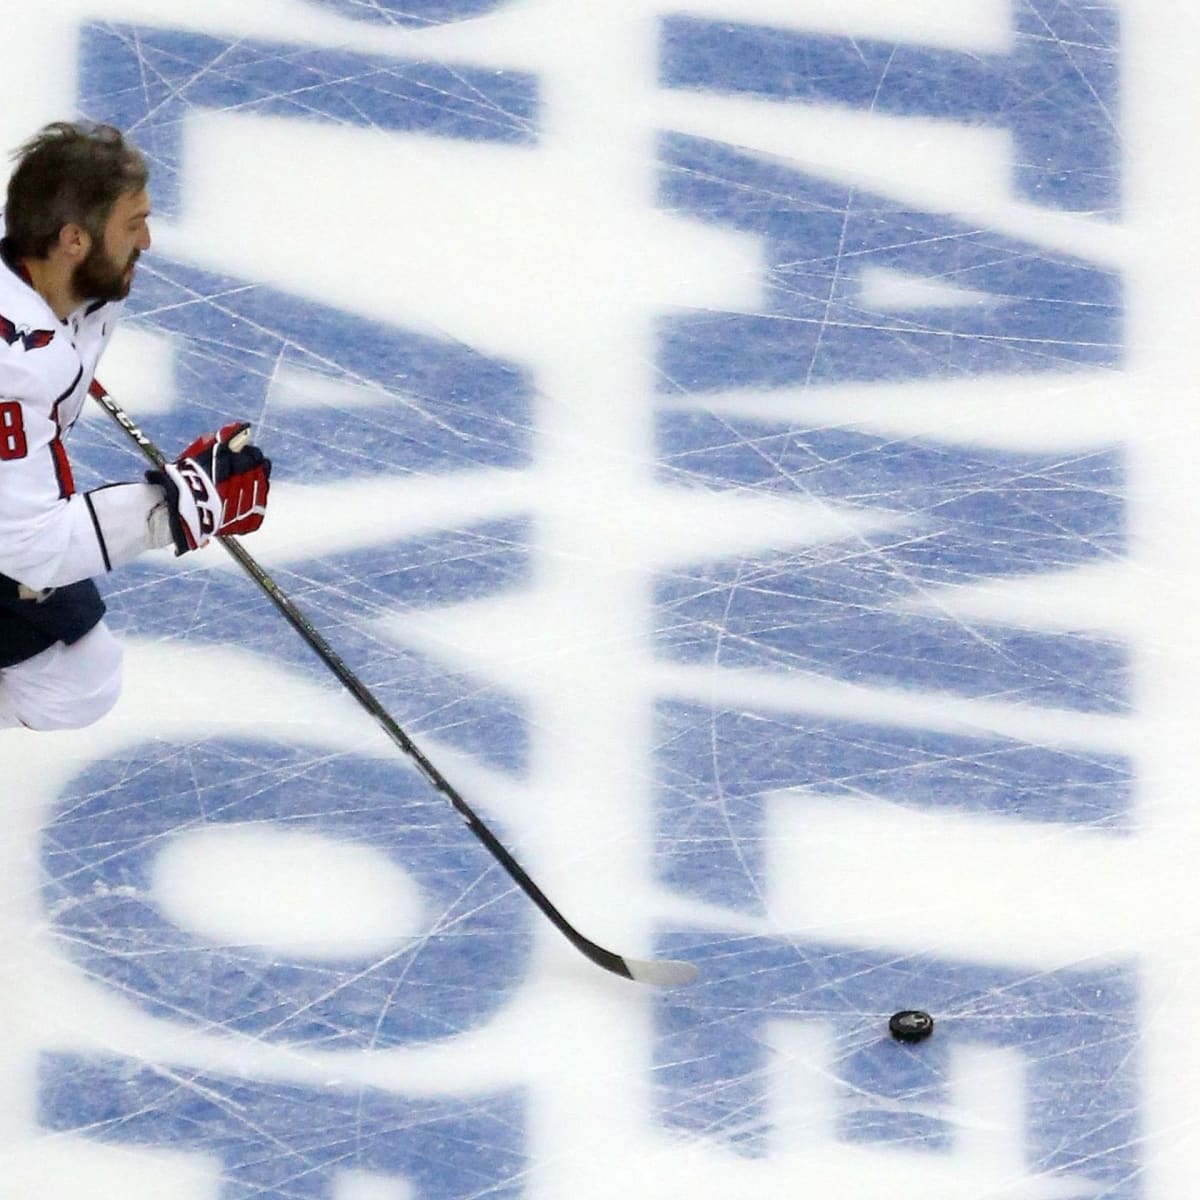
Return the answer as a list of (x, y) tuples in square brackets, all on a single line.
[(30, 353)]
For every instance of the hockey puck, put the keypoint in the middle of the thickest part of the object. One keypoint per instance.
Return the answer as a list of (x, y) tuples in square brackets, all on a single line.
[(911, 1025)]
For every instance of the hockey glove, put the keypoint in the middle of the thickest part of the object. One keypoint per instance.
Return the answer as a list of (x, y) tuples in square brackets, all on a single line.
[(217, 486)]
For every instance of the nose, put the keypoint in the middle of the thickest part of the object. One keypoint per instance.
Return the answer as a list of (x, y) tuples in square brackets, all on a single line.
[(143, 242)]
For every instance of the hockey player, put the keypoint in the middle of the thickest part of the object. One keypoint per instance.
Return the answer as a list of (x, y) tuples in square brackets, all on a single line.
[(75, 222)]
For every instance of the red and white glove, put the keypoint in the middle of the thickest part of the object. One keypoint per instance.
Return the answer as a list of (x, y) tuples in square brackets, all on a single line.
[(216, 487)]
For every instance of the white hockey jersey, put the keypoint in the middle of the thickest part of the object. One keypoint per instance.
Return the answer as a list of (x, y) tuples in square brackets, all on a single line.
[(50, 534)]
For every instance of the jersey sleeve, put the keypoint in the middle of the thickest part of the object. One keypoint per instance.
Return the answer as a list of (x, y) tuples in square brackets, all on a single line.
[(51, 535)]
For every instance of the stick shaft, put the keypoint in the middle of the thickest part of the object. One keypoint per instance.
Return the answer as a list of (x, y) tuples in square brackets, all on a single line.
[(670, 972)]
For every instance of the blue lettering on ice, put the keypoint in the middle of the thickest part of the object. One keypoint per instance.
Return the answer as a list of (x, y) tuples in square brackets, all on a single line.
[(1038, 310), (969, 516), (1076, 1030), (963, 515), (102, 843), (851, 609), (146, 80), (433, 404), (1057, 91), (276, 1141), (411, 12), (718, 770)]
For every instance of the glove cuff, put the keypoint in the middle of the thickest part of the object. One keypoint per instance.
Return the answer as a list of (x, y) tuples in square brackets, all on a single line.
[(192, 501)]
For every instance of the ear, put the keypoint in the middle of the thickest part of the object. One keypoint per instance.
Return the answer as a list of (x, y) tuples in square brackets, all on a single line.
[(74, 241)]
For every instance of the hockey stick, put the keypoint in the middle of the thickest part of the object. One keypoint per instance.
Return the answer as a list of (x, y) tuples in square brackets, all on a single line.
[(660, 972)]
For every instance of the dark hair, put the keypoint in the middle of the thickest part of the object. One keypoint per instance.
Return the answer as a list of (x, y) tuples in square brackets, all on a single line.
[(68, 173)]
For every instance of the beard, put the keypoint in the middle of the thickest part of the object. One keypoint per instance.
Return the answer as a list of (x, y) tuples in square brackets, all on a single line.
[(99, 278)]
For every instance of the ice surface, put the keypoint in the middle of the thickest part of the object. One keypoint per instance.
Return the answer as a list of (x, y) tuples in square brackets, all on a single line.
[(751, 448)]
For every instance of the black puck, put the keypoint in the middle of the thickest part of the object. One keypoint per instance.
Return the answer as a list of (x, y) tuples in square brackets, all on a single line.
[(911, 1025)]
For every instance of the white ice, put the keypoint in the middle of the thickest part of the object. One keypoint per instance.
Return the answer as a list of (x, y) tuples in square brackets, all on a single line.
[(556, 257)]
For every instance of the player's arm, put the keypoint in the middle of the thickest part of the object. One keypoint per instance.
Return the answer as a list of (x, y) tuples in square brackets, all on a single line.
[(51, 535)]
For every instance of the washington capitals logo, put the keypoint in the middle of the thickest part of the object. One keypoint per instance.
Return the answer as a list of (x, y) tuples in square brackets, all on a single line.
[(31, 339)]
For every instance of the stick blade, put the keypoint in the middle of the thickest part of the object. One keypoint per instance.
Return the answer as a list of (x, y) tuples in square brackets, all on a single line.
[(662, 972)]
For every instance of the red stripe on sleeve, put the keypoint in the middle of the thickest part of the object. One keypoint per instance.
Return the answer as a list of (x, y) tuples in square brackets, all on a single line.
[(62, 468)]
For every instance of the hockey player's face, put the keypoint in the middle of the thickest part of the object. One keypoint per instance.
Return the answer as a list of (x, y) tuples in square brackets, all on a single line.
[(107, 271)]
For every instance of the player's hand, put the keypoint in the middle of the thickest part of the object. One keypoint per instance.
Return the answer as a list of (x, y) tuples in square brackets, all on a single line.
[(217, 486)]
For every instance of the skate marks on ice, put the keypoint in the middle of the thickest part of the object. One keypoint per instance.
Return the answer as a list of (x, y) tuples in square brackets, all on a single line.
[(732, 497)]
